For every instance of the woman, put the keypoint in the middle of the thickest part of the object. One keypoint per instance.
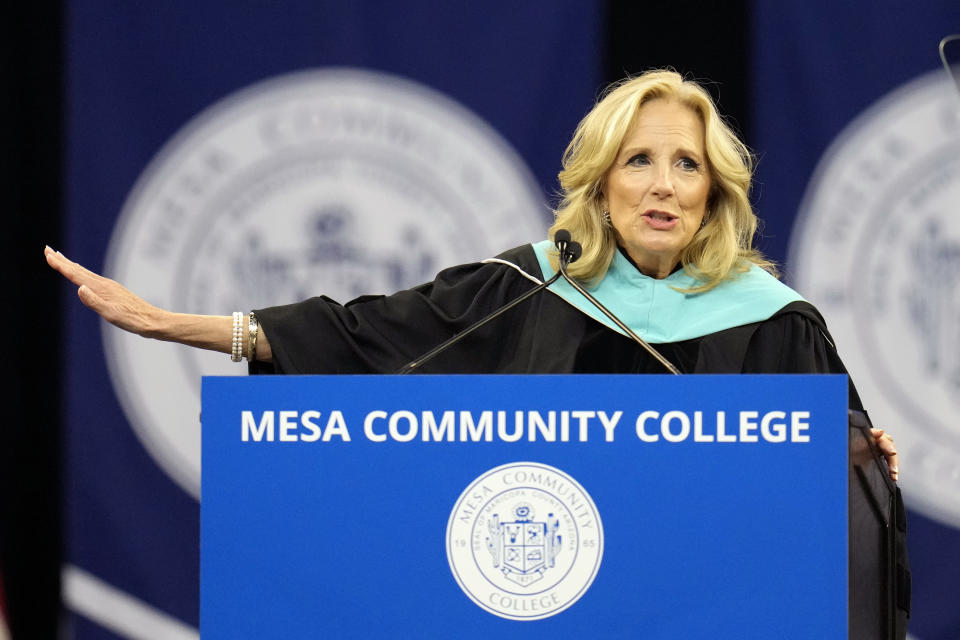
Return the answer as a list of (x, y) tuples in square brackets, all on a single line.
[(655, 188)]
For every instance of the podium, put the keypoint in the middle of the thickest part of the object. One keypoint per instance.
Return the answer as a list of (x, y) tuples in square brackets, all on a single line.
[(535, 507)]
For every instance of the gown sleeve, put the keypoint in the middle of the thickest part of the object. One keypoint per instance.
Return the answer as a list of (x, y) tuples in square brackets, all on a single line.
[(380, 334), (796, 340), (790, 342)]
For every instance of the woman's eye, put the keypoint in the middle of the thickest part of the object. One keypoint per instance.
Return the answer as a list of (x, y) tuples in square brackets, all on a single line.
[(638, 160), (689, 164)]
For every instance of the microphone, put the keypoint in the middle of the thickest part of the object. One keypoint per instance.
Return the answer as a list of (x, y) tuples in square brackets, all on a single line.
[(430, 355), (570, 251)]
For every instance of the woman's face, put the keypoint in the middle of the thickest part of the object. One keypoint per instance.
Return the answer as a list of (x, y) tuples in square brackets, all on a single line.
[(657, 189)]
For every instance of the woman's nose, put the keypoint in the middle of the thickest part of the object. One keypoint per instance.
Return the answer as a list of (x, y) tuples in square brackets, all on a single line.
[(662, 183)]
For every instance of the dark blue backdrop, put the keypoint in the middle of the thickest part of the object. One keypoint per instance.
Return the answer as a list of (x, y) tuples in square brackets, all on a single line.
[(815, 67), (137, 72)]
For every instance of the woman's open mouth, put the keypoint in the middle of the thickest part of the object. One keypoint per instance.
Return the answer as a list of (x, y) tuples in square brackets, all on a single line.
[(660, 220)]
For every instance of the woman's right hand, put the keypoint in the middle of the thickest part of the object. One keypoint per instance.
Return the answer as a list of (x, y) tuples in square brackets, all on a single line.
[(114, 302), (120, 307)]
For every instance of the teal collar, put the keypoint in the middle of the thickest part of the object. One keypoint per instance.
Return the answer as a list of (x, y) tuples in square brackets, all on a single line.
[(658, 313)]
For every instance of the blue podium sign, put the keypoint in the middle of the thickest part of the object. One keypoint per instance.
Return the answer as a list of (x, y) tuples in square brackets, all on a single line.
[(524, 507)]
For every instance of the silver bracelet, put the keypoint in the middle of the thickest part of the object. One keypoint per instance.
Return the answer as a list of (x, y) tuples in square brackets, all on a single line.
[(252, 333), (237, 349)]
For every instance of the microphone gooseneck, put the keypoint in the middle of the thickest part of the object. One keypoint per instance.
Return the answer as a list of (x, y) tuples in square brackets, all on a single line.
[(570, 251), (440, 348)]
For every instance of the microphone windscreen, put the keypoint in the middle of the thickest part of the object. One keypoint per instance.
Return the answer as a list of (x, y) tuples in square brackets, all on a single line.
[(561, 236), (574, 250)]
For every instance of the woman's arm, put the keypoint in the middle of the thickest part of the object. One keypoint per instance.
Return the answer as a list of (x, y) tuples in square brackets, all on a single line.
[(796, 342), (121, 308)]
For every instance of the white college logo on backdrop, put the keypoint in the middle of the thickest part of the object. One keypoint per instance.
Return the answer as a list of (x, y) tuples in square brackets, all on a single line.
[(339, 182), (877, 249), (524, 541)]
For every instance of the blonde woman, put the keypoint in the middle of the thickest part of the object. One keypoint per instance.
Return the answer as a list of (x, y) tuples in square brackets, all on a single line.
[(655, 188)]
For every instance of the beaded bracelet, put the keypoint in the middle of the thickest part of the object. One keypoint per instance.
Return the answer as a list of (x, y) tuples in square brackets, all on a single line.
[(254, 331), (237, 348)]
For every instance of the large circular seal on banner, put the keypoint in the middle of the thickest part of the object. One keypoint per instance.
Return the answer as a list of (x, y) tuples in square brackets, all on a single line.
[(877, 248), (337, 182), (524, 541)]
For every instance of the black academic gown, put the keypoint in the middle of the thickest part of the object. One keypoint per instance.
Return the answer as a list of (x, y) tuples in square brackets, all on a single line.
[(545, 334), (379, 334)]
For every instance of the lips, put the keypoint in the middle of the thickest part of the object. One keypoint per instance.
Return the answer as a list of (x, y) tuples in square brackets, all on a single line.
[(660, 220)]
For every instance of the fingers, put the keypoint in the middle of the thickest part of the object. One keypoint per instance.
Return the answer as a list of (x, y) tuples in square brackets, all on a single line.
[(91, 299), (54, 258), (889, 450), (70, 270), (108, 298), (77, 274), (57, 260)]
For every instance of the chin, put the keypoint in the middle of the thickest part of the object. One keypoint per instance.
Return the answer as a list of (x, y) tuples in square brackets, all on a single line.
[(661, 248)]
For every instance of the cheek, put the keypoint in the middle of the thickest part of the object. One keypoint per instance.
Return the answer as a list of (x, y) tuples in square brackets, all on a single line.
[(624, 187), (613, 189), (696, 196)]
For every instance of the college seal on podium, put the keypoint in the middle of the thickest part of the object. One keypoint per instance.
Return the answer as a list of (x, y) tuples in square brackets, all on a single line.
[(524, 541)]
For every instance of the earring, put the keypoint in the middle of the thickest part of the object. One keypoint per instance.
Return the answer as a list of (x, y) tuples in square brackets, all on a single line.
[(606, 217)]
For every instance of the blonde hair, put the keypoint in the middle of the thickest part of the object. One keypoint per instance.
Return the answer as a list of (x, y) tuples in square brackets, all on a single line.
[(723, 247)]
